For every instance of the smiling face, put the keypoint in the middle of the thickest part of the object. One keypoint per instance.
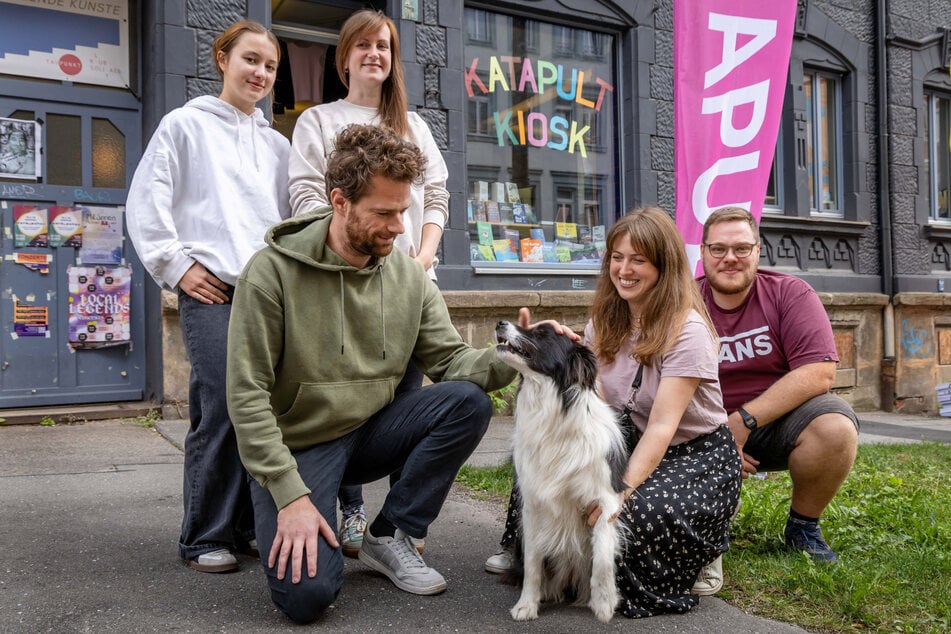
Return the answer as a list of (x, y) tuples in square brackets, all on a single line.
[(730, 277), (248, 70), (367, 228), (631, 273), (370, 58)]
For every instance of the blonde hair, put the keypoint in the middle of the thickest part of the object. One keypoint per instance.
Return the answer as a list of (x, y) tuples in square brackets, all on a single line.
[(226, 41), (665, 307), (393, 100)]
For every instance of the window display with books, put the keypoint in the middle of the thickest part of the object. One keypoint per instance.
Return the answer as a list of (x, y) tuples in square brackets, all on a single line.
[(540, 143)]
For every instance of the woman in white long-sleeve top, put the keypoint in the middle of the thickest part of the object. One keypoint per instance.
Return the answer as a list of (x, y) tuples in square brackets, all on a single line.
[(211, 182)]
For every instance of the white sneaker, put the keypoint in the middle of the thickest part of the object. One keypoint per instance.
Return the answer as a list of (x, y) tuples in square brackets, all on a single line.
[(396, 557), (709, 579), (502, 561), (216, 561), (418, 544), (351, 534)]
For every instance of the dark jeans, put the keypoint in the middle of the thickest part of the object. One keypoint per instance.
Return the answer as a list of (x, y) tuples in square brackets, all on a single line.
[(426, 433), (218, 511), (352, 495)]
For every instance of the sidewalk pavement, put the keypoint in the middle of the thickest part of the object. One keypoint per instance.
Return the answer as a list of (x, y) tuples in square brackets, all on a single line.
[(91, 513)]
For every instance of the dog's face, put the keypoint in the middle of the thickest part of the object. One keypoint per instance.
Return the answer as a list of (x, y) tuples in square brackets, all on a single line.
[(543, 352)]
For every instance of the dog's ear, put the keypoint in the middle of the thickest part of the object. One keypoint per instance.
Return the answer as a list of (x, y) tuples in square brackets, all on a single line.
[(584, 367)]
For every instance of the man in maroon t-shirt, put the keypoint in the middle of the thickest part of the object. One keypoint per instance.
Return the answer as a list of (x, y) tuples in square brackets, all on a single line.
[(777, 365)]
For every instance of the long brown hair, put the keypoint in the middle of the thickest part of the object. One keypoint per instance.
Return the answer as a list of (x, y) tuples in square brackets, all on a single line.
[(665, 307), (226, 41), (393, 100)]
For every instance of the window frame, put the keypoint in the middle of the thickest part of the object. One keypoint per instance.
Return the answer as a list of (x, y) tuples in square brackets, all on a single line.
[(933, 143)]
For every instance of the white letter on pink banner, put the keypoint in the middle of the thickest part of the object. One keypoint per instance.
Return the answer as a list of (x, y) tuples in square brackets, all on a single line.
[(730, 63)]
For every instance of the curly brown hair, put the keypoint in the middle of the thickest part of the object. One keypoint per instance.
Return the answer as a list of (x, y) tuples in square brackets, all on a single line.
[(363, 151)]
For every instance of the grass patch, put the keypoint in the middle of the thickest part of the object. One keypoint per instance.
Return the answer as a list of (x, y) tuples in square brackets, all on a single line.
[(488, 483), (890, 524)]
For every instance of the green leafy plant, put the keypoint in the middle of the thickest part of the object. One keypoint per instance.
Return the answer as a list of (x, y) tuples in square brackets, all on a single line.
[(47, 422), (503, 399), (149, 419)]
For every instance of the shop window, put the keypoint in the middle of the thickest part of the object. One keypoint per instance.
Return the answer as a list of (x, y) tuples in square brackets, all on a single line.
[(541, 159), (937, 159), (823, 155)]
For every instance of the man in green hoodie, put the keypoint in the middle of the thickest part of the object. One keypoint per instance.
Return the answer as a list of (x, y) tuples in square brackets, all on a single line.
[(326, 319)]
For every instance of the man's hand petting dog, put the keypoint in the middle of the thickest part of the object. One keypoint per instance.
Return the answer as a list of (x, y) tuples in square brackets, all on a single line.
[(525, 321)]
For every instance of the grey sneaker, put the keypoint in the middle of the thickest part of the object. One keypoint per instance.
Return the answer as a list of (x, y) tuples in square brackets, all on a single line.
[(396, 557), (216, 561), (502, 561), (351, 534)]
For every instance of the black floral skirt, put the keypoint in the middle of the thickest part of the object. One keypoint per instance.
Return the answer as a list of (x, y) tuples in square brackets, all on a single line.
[(677, 521)]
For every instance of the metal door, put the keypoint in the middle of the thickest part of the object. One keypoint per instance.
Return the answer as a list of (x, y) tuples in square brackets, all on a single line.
[(88, 155)]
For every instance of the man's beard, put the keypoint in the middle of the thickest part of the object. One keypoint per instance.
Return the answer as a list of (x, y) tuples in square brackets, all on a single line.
[(363, 245), (734, 288)]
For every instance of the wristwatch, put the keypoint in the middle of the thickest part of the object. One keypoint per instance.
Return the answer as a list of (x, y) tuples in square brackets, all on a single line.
[(749, 421)]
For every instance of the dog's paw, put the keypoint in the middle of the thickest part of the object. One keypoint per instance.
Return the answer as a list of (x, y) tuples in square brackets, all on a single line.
[(603, 610), (525, 611)]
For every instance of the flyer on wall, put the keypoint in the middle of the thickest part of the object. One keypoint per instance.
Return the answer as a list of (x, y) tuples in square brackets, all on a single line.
[(20, 144), (99, 306), (102, 236)]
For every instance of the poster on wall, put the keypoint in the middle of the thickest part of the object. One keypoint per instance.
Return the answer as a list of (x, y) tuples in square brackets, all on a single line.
[(66, 40), (30, 228), (102, 236), (19, 147), (99, 306)]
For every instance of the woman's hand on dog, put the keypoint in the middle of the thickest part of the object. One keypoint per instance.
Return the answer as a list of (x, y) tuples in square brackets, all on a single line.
[(298, 525), (525, 318)]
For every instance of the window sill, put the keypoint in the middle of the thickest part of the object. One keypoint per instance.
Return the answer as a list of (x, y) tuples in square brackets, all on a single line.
[(939, 230)]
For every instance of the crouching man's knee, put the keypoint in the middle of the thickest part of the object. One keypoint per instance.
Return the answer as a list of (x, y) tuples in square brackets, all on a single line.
[(304, 602)]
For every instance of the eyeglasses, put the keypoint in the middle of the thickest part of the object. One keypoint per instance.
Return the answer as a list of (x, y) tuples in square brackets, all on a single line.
[(739, 250)]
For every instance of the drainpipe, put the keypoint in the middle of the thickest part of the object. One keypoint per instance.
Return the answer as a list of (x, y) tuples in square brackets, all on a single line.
[(884, 204)]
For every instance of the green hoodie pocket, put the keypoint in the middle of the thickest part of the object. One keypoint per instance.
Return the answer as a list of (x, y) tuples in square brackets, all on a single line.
[(324, 411)]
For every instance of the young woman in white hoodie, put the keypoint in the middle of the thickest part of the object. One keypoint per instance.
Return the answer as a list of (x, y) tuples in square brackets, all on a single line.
[(369, 65), (211, 182)]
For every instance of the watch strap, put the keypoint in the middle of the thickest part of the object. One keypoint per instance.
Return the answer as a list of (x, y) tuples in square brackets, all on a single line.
[(749, 421)]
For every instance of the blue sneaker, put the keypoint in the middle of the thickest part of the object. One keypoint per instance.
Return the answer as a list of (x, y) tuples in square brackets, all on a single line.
[(807, 536)]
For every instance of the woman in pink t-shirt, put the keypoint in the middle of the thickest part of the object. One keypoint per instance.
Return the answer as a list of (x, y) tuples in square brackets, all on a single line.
[(657, 352)]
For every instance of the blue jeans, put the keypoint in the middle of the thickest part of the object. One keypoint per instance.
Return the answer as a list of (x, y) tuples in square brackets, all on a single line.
[(218, 510), (426, 433)]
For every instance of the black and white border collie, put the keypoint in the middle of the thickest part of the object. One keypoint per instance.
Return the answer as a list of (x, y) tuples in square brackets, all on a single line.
[(570, 456)]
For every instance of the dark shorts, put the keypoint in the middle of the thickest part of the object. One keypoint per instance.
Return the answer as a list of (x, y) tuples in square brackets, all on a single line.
[(772, 444)]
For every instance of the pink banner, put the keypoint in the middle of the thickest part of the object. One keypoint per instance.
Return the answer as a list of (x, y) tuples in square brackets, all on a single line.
[(730, 63)]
